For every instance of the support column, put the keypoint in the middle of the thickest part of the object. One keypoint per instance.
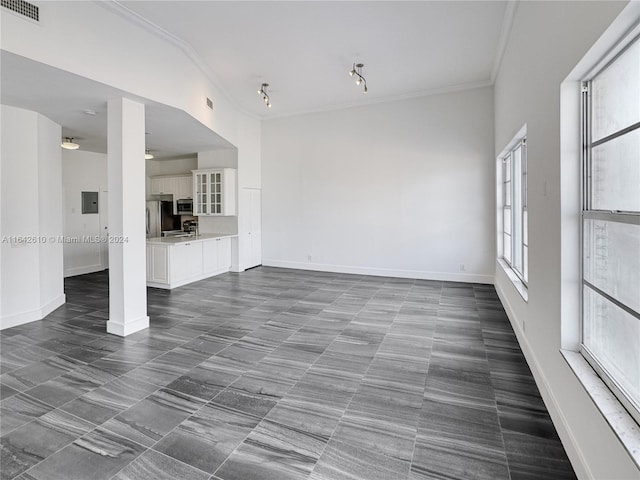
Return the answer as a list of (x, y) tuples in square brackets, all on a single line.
[(127, 239)]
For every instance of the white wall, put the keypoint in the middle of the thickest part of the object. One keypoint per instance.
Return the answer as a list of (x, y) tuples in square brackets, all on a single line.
[(547, 40), (31, 203), (138, 59), (82, 172), (398, 189)]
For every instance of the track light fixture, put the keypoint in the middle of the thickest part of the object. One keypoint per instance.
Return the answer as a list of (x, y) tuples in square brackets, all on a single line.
[(68, 144), (357, 71), (147, 154), (265, 96)]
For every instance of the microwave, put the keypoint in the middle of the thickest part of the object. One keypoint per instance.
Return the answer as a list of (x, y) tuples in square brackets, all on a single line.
[(184, 206)]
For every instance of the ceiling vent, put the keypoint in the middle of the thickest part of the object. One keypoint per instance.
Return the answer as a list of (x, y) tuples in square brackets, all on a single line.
[(23, 8)]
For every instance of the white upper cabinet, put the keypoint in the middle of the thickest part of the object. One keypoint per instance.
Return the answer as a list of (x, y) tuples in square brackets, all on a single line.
[(161, 185), (214, 192), (183, 187), (180, 186)]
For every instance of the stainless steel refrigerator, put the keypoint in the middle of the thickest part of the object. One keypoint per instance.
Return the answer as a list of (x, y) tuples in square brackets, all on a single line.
[(160, 218)]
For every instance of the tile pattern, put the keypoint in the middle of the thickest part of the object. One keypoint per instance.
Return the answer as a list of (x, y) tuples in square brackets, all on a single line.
[(276, 374)]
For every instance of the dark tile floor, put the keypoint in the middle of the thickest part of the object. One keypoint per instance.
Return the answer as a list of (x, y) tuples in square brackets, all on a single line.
[(276, 374)]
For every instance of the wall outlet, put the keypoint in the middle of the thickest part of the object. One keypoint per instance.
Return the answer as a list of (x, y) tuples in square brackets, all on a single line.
[(462, 267), (309, 258)]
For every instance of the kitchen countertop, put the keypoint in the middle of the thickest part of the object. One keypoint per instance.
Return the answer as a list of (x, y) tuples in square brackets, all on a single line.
[(194, 238)]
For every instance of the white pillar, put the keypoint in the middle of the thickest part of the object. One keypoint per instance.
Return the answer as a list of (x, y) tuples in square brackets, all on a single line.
[(127, 239)]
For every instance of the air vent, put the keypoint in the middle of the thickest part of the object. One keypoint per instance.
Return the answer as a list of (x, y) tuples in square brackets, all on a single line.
[(21, 7), (209, 103)]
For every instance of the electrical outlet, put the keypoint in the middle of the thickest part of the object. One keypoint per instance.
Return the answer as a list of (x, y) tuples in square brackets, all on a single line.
[(462, 267), (309, 258)]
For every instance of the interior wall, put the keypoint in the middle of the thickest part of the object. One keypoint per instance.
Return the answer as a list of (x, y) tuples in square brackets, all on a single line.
[(249, 177), (82, 172), (31, 203), (140, 60), (398, 189), (545, 43)]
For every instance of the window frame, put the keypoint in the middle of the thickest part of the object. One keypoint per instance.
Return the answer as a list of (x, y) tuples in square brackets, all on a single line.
[(587, 212), (507, 157)]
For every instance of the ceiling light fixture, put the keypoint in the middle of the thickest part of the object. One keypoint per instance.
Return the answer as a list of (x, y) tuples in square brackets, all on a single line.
[(68, 144), (147, 154), (265, 96), (357, 71)]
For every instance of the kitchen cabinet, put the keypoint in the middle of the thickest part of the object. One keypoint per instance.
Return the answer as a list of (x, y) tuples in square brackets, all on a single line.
[(180, 186), (216, 255), (183, 187), (158, 263), (214, 192), (185, 260), (175, 261), (161, 185)]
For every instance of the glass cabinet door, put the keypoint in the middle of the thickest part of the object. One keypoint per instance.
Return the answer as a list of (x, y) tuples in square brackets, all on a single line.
[(208, 190), (215, 192), (201, 194)]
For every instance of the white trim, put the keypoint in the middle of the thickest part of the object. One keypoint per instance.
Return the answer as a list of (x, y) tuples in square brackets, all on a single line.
[(382, 272), (32, 315), (517, 283), (187, 281), (72, 272), (575, 454), (505, 32), (623, 425), (131, 326), (120, 9), (389, 99), (128, 14)]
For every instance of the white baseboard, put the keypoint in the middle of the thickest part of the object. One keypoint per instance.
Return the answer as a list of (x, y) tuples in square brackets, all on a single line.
[(382, 272), (131, 326), (186, 281), (72, 272), (32, 315), (569, 442)]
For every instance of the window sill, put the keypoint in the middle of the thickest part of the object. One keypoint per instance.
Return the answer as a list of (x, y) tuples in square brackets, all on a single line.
[(520, 287), (622, 424)]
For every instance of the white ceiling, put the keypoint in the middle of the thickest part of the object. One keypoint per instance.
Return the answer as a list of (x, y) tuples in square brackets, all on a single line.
[(303, 49), (64, 97)]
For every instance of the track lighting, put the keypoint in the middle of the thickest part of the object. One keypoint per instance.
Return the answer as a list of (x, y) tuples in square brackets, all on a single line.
[(357, 71), (147, 154), (265, 96), (68, 144)]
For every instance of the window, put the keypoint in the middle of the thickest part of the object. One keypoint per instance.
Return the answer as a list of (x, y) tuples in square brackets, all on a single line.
[(611, 225), (514, 209)]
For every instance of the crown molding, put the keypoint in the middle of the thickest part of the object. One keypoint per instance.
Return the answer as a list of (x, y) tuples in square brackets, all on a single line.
[(388, 99), (503, 40), (118, 8)]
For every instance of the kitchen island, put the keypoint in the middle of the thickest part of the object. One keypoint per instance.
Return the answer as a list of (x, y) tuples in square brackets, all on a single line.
[(176, 261)]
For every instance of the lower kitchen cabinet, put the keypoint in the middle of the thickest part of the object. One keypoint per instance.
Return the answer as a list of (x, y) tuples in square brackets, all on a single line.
[(173, 263), (216, 255)]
